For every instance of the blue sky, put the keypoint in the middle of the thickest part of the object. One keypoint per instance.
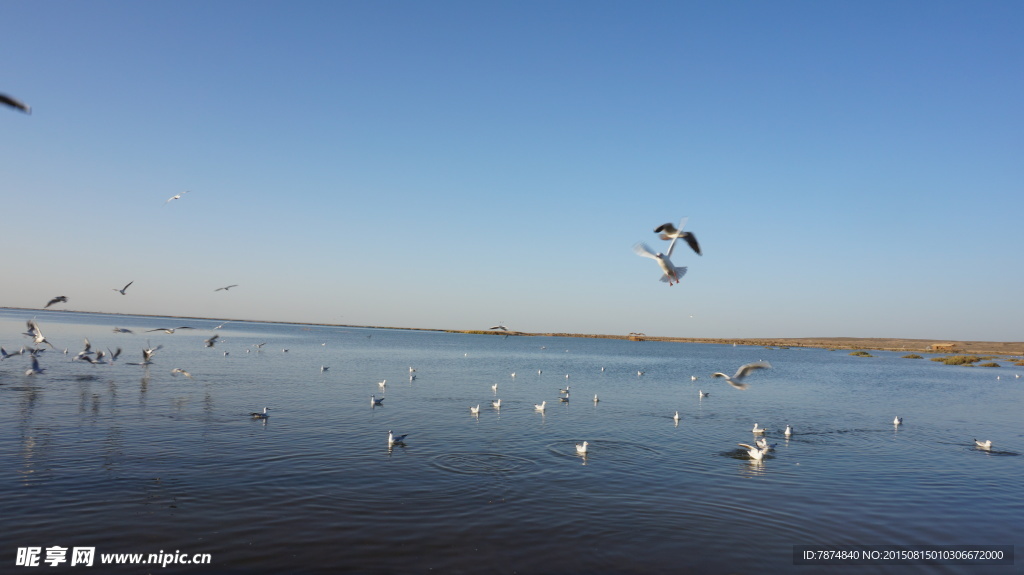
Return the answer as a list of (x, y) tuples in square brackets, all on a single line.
[(850, 168)]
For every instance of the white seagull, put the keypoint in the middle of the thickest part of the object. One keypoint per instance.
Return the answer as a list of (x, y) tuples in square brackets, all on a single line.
[(596, 399), (35, 369), (382, 384), (178, 370), (175, 197), (788, 432), (494, 388), (758, 429), (258, 415), (676, 417), (496, 403), (987, 444), (324, 368), (393, 439), (763, 444), (4, 354), (754, 452), (36, 334), (702, 393), (375, 401), (581, 448), (897, 421), (671, 273), (670, 232), (122, 290), (475, 410), (171, 329), (741, 374), (540, 406)]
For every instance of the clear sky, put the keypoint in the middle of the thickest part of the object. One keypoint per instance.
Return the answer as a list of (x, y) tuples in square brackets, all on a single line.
[(850, 168)]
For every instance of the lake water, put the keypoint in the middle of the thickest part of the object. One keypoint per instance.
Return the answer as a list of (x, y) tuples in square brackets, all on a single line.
[(132, 459)]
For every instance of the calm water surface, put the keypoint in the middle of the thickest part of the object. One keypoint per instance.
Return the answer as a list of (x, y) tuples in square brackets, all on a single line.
[(130, 459)]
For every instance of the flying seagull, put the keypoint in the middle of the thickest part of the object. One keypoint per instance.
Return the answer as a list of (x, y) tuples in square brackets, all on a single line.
[(499, 326), (35, 369), (210, 342), (122, 330), (35, 334), (175, 197), (58, 299), (16, 103), (122, 290), (745, 370), (170, 329), (178, 370), (226, 288), (670, 232), (672, 274)]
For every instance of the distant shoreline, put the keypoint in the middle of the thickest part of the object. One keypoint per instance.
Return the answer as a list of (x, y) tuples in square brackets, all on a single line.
[(850, 343)]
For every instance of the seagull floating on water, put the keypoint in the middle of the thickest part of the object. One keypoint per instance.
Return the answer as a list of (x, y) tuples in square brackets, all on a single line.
[(693, 378), (741, 374), (754, 452), (16, 104), (259, 415), (393, 439), (58, 299), (788, 432), (676, 417), (670, 232), (125, 288), (475, 410), (581, 448), (596, 399), (496, 403), (494, 388), (324, 368), (897, 421), (540, 406), (702, 393), (987, 444), (758, 429), (763, 444), (375, 401), (382, 384)]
